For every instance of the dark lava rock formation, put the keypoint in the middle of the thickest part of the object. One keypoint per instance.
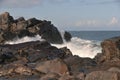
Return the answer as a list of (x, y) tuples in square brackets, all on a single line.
[(10, 29), (67, 36)]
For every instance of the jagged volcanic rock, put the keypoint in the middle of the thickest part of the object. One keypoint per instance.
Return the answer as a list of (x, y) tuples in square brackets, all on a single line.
[(67, 36), (20, 27)]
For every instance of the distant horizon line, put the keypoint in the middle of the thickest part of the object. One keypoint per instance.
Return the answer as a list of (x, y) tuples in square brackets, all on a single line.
[(92, 30)]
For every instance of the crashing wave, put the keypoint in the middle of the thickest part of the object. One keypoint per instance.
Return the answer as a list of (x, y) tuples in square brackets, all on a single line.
[(25, 39), (80, 47)]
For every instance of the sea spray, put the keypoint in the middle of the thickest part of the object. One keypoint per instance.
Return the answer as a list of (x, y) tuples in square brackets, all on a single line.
[(25, 39), (80, 47), (62, 35)]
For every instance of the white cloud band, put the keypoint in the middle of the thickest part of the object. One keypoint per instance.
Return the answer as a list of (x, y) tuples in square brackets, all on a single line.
[(113, 21)]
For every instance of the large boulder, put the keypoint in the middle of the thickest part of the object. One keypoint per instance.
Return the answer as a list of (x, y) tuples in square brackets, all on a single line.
[(77, 64), (33, 21), (5, 18), (53, 66), (5, 21), (110, 50), (8, 35), (50, 33), (45, 29), (67, 51), (67, 36)]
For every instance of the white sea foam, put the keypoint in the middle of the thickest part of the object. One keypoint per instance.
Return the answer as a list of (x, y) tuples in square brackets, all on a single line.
[(81, 47), (25, 39)]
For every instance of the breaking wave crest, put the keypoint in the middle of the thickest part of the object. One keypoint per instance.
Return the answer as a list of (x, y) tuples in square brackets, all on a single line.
[(81, 47), (78, 46), (25, 39)]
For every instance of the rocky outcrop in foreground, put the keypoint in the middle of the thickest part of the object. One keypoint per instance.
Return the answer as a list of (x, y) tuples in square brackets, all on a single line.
[(38, 60), (11, 28)]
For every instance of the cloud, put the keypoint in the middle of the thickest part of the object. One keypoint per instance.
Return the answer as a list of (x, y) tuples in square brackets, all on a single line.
[(87, 23), (113, 21)]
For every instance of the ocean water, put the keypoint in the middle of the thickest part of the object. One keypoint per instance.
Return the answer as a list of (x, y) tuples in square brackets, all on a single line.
[(83, 43), (95, 35)]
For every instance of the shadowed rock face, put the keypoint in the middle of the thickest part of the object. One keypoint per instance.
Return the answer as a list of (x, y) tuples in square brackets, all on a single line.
[(32, 51), (20, 27), (67, 36)]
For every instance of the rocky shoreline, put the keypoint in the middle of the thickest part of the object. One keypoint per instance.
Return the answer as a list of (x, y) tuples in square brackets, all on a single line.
[(38, 60)]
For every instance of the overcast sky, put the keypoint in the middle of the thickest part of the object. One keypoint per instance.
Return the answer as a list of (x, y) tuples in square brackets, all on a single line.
[(68, 14)]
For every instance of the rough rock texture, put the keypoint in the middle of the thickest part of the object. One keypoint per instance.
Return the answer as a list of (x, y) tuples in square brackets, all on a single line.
[(67, 51), (23, 59), (40, 60), (77, 64), (33, 51), (10, 29), (67, 77), (5, 21), (114, 69), (50, 76), (110, 50), (53, 66), (102, 75)]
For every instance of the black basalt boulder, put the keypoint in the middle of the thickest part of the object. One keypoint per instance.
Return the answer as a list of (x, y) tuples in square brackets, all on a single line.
[(67, 36)]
